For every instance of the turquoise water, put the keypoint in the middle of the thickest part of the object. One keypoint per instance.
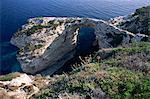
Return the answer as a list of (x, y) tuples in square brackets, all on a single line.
[(14, 13)]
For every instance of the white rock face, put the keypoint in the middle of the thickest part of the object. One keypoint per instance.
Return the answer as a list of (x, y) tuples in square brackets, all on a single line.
[(18, 88), (47, 43), (22, 79)]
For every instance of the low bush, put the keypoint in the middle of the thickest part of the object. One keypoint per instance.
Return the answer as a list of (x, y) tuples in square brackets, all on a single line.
[(123, 83), (9, 77), (34, 29), (118, 76)]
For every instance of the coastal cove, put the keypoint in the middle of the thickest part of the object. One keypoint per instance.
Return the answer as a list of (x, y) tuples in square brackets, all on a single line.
[(75, 49), (15, 13)]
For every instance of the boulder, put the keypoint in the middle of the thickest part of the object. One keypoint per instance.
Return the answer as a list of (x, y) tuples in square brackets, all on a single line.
[(18, 88)]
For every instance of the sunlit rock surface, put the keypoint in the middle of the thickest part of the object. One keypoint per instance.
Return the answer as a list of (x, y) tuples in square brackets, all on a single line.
[(20, 87), (47, 43)]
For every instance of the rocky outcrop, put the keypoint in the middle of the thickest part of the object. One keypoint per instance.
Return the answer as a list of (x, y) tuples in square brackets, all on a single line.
[(47, 43), (18, 88), (138, 22), (22, 87)]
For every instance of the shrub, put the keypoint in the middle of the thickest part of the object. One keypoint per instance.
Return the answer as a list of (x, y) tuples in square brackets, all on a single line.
[(38, 46), (35, 29), (126, 84), (134, 48), (9, 77), (31, 47), (110, 75)]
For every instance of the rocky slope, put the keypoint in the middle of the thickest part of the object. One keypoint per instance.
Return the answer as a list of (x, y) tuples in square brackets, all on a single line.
[(47, 43), (21, 86), (119, 69), (138, 22), (122, 72)]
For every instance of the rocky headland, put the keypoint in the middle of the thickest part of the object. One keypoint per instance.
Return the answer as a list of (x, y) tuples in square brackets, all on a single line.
[(137, 22), (113, 58), (47, 43)]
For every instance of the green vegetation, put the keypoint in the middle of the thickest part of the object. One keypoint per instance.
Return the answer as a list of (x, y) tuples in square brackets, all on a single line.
[(54, 23), (30, 47), (51, 24), (142, 10), (9, 77), (21, 50), (38, 46), (35, 29), (116, 76), (123, 83), (115, 82), (130, 57), (135, 48)]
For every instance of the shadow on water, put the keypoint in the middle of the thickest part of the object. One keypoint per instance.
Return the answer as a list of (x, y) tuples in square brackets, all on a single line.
[(85, 41), (8, 60), (85, 47)]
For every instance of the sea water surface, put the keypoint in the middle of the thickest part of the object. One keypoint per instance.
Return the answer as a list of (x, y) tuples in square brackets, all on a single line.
[(14, 13)]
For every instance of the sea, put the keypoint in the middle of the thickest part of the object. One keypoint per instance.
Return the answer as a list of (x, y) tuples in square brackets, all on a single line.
[(14, 13)]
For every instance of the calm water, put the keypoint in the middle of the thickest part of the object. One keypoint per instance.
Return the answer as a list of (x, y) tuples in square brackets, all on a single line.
[(14, 13)]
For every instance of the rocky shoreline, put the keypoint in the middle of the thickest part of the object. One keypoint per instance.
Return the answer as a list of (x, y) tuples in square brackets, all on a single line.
[(118, 68), (138, 22)]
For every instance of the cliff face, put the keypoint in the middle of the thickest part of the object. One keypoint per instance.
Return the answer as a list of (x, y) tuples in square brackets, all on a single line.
[(138, 22), (47, 43), (118, 69)]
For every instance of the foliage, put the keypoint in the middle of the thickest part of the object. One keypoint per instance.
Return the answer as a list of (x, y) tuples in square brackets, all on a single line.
[(134, 48), (126, 84), (9, 77), (114, 75), (34, 29), (130, 57), (38, 46), (54, 23), (142, 10), (32, 47)]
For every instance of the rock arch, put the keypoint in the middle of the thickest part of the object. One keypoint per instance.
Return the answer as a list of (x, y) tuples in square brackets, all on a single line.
[(59, 43)]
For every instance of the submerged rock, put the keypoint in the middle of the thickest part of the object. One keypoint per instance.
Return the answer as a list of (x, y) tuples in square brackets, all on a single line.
[(47, 43)]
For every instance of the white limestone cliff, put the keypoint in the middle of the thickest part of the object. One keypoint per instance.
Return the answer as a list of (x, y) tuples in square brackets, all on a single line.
[(47, 43)]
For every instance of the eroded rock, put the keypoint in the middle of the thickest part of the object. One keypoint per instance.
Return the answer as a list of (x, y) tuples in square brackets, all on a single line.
[(18, 88), (138, 22), (47, 43)]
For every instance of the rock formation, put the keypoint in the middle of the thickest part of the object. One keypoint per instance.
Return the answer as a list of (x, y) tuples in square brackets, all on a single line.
[(18, 88), (21, 86), (138, 22), (47, 43)]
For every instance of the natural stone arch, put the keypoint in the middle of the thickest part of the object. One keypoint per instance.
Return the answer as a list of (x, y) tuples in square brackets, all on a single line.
[(60, 47), (85, 41), (75, 28), (90, 25)]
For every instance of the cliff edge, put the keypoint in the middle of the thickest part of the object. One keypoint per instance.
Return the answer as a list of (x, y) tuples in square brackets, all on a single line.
[(47, 43)]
